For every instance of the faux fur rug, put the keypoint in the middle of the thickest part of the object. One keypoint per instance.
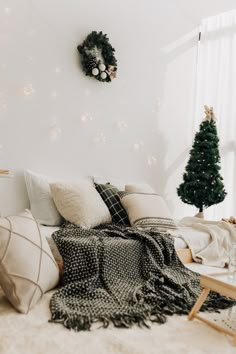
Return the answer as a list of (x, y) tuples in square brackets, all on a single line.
[(32, 334)]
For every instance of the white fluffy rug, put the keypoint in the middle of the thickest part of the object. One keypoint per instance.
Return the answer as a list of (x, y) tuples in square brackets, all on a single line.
[(32, 334)]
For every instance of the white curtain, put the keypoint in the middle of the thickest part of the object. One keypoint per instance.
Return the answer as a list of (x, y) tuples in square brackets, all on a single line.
[(216, 86)]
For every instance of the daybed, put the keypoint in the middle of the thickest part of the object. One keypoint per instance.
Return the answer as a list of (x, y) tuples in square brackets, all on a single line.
[(137, 261)]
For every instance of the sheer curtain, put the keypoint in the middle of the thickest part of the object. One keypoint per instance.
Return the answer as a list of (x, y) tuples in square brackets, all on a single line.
[(216, 86)]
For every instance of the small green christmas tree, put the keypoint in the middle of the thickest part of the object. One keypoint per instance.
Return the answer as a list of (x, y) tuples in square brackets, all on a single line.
[(202, 184)]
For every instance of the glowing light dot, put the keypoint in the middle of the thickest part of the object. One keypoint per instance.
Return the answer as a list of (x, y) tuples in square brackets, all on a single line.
[(151, 160), (7, 10), (54, 94), (85, 118), (121, 125), (99, 138), (55, 132), (28, 90), (57, 70), (138, 145)]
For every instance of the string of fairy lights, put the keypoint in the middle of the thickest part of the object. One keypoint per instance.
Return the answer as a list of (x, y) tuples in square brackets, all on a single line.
[(27, 91)]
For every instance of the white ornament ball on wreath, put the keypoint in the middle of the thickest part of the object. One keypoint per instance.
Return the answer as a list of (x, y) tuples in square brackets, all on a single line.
[(103, 75), (102, 67), (95, 71)]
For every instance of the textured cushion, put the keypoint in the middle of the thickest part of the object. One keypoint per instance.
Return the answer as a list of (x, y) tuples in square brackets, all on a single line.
[(80, 203), (41, 203), (27, 267), (147, 210), (109, 194), (139, 188)]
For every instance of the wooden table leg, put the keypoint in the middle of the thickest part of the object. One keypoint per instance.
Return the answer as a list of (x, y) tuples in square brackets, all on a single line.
[(198, 303), (234, 340)]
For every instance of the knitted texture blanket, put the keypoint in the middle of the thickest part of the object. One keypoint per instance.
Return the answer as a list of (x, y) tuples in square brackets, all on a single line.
[(121, 275)]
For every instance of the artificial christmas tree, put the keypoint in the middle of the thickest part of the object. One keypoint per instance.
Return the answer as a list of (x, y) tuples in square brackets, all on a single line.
[(202, 184)]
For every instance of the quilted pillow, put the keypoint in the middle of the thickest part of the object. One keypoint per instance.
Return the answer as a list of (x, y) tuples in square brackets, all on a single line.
[(147, 210), (80, 204), (27, 267), (110, 196)]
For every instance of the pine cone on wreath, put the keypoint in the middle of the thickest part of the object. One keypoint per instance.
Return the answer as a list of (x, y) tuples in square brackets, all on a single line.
[(91, 63)]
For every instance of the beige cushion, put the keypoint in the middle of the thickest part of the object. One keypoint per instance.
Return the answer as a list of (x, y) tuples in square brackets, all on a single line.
[(27, 267), (139, 188), (80, 204), (147, 210), (42, 205)]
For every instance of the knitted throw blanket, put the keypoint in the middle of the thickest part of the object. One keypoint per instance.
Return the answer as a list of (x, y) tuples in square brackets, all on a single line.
[(121, 275)]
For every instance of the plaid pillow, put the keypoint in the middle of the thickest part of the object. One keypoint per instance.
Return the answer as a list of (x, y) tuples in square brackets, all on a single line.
[(110, 196)]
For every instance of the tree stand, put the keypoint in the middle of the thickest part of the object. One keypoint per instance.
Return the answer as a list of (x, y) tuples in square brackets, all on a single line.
[(200, 215)]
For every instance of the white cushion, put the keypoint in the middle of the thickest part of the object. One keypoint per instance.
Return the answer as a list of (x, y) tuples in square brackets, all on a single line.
[(80, 204), (27, 267), (147, 210), (41, 203)]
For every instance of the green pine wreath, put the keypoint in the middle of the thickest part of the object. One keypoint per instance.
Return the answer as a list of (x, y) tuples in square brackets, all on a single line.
[(97, 57)]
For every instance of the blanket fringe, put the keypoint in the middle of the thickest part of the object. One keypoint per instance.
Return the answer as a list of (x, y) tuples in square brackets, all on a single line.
[(74, 321), (84, 323)]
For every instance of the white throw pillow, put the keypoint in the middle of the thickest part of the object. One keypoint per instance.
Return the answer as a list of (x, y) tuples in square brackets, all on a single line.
[(41, 203), (80, 204), (27, 266), (147, 210)]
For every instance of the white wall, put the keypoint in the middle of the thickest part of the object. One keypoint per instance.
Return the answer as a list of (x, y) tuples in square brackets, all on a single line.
[(42, 84), (176, 118)]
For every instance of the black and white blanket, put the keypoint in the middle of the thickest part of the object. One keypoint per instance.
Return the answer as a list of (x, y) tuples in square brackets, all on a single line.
[(121, 275)]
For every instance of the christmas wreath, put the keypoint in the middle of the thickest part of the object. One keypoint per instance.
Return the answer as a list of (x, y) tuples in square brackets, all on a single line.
[(97, 57)]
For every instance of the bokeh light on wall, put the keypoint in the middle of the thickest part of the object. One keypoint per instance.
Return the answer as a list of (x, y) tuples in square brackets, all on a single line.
[(27, 90), (55, 132), (151, 160), (138, 145), (85, 118), (99, 138), (122, 125)]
